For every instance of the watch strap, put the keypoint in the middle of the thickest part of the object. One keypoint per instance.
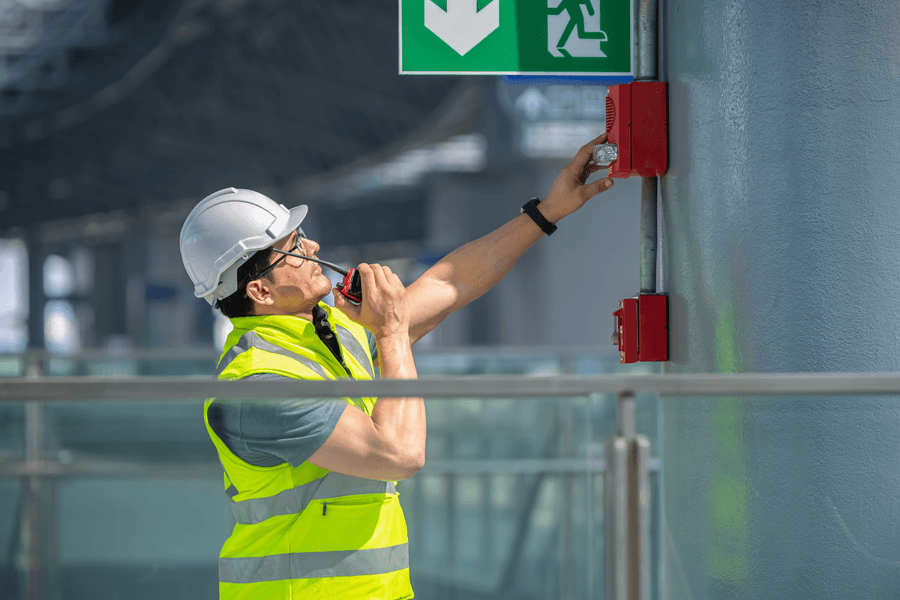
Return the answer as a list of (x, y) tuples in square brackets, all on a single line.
[(530, 209)]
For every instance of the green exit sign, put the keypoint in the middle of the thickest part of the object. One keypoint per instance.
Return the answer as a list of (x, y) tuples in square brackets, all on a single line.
[(516, 37)]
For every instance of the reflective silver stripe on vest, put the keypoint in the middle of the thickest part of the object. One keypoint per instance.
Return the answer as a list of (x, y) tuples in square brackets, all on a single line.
[(251, 339), (305, 565), (352, 345), (294, 500)]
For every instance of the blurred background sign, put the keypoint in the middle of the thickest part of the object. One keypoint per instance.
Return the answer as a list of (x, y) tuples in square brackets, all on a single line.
[(543, 37), (551, 120)]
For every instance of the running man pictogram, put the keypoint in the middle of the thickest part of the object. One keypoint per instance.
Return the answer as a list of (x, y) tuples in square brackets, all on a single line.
[(576, 21)]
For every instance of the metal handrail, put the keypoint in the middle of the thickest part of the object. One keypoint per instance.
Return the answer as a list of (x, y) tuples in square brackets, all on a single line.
[(481, 386)]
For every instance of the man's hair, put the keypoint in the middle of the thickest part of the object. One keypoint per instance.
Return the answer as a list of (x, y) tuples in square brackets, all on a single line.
[(239, 304)]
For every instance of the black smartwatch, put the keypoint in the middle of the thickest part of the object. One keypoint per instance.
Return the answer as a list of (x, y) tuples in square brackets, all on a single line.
[(532, 211)]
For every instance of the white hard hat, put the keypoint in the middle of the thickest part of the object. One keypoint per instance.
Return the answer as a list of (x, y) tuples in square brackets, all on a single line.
[(224, 230)]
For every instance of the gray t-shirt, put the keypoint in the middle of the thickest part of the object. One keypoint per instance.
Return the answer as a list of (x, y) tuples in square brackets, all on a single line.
[(267, 433)]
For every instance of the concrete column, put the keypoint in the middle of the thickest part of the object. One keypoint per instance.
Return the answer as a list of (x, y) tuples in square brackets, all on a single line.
[(780, 253)]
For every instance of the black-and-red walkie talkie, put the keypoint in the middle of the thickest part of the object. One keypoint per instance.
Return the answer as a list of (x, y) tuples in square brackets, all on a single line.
[(351, 286)]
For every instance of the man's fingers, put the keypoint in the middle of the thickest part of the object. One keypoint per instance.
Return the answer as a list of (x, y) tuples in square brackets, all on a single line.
[(339, 299), (380, 279), (589, 147), (600, 139), (583, 155), (586, 152), (366, 275), (594, 188), (348, 308), (391, 277), (341, 302)]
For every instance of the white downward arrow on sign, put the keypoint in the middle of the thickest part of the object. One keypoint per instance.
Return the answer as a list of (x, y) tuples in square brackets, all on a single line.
[(462, 26)]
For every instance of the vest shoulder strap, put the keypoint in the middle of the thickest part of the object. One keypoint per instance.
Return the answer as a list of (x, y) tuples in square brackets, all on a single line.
[(251, 339)]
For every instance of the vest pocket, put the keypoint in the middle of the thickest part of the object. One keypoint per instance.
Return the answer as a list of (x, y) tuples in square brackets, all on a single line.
[(352, 522), (357, 500)]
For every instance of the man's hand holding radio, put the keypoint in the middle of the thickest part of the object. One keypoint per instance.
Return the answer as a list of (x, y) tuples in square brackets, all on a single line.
[(385, 307)]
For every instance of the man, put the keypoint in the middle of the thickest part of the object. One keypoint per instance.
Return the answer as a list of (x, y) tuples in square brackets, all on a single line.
[(311, 482)]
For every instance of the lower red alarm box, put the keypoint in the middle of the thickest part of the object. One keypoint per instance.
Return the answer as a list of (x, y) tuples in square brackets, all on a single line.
[(653, 327)]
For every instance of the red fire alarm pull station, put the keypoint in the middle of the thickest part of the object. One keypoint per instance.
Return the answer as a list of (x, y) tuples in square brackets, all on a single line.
[(641, 329), (636, 124)]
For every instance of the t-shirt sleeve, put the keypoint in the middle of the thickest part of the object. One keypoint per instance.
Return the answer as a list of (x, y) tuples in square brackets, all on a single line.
[(267, 433), (373, 347)]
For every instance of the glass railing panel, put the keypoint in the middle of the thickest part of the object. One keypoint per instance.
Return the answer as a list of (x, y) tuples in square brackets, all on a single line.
[(506, 505), (123, 499), (132, 502), (12, 429), (138, 538), (759, 489), (11, 493)]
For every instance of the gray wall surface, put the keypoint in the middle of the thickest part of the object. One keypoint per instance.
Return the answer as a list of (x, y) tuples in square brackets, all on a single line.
[(781, 246)]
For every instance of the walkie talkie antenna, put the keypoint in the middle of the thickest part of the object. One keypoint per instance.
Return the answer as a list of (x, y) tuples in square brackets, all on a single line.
[(350, 287)]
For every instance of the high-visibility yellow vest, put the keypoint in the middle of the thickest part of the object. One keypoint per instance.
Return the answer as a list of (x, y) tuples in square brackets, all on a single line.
[(306, 532)]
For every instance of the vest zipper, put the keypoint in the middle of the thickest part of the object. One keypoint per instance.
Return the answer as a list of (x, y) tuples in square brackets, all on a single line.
[(328, 337), (346, 368), (342, 363), (340, 358)]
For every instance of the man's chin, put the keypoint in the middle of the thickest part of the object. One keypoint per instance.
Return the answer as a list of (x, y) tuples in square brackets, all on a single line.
[(325, 290)]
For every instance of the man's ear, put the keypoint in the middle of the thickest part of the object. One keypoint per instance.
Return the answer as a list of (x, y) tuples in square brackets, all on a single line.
[(259, 291)]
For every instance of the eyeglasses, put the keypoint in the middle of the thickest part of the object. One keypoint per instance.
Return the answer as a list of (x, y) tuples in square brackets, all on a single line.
[(298, 245)]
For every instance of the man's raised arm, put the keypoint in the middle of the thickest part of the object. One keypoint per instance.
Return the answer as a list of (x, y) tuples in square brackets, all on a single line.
[(471, 270)]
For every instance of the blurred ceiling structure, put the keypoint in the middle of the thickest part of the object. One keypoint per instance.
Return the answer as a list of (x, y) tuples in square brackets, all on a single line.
[(119, 105)]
